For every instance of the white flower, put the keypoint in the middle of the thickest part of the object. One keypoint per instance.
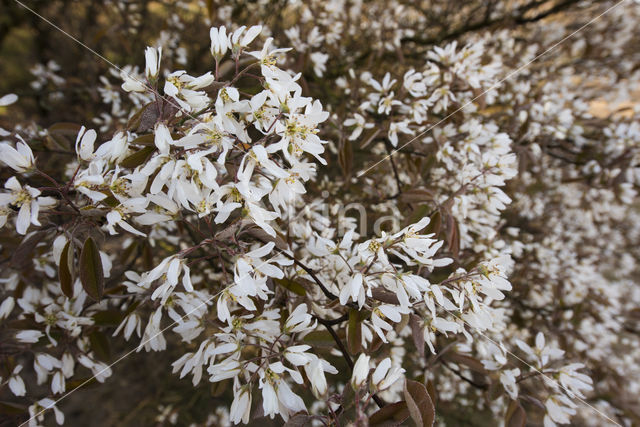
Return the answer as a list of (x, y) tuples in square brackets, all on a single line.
[(152, 339), (16, 384), (152, 57), (37, 410), (219, 42), (386, 311), (315, 370), (131, 82), (251, 273), (118, 215), (267, 56), (296, 355), (360, 124), (129, 324), (6, 307), (19, 159), (163, 138), (29, 336), (100, 371), (115, 149), (396, 127), (8, 99), (241, 406), (319, 60), (575, 382), (508, 380), (27, 200), (299, 320), (560, 409), (353, 290), (58, 383), (238, 44), (84, 143), (360, 371), (384, 375), (277, 397), (541, 352), (183, 88)]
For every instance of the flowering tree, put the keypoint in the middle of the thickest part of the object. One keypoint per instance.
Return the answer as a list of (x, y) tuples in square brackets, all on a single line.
[(367, 213)]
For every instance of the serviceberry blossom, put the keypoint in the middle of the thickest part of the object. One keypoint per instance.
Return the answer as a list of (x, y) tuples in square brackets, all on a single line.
[(326, 213)]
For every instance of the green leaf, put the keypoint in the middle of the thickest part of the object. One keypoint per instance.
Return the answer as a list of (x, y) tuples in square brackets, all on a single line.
[(12, 408), (319, 339), (138, 158), (63, 135), (100, 345), (354, 332), (418, 213), (147, 139), (65, 270), (419, 403), (292, 286), (390, 415), (91, 274), (108, 318)]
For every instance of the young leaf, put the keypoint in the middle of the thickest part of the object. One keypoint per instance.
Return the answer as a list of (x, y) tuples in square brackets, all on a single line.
[(21, 257), (91, 274), (419, 403), (138, 158), (453, 236), (292, 286), (417, 195), (354, 332), (393, 414), (417, 334), (515, 416), (299, 419), (100, 345), (65, 270), (345, 157)]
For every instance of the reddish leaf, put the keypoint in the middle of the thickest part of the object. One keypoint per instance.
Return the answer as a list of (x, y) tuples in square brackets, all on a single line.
[(393, 414), (469, 362), (453, 235), (91, 273), (419, 403), (299, 419), (65, 270), (417, 334), (515, 416), (432, 392), (345, 157), (417, 195), (21, 257)]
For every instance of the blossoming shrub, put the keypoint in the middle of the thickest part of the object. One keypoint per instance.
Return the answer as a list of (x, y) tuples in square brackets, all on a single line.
[(429, 227)]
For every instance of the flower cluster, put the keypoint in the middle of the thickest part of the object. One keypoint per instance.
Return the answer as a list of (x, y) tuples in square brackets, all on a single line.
[(310, 228)]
